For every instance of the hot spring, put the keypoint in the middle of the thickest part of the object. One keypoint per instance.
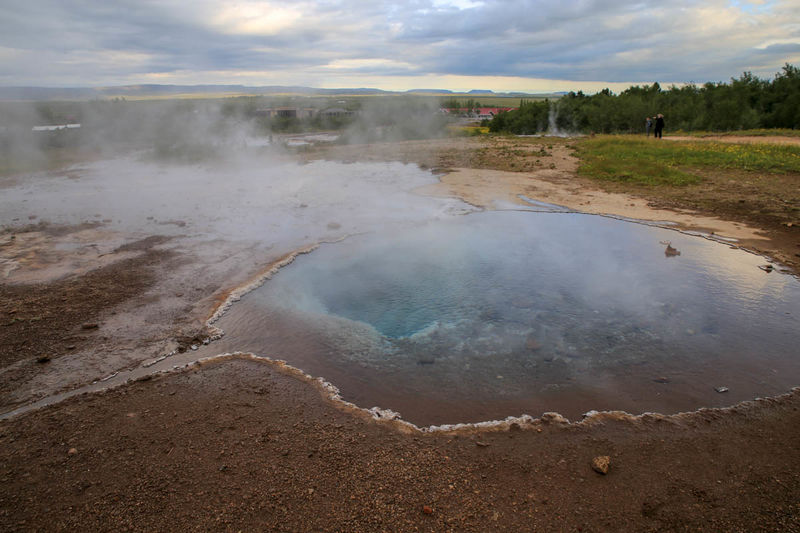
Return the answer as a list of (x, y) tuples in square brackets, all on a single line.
[(509, 312)]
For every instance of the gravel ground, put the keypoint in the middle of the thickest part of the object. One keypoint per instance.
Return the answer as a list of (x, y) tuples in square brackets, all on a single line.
[(242, 445)]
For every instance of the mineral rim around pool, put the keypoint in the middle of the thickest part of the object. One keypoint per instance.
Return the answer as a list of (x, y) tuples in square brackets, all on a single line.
[(503, 313)]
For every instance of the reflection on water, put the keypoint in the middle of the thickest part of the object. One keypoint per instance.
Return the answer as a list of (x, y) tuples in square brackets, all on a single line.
[(497, 314)]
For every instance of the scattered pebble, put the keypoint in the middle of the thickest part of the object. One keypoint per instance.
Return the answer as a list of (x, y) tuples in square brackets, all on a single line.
[(721, 389), (72, 451), (601, 463), (661, 380), (427, 509)]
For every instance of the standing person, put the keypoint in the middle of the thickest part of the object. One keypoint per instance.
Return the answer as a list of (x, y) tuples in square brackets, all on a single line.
[(647, 125), (659, 125)]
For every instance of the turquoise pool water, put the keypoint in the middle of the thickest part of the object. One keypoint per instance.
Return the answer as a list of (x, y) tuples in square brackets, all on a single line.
[(500, 313)]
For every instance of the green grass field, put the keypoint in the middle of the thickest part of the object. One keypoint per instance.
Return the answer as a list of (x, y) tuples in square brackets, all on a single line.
[(783, 132), (633, 159)]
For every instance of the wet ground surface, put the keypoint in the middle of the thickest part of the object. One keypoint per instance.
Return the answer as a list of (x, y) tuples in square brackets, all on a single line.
[(171, 242)]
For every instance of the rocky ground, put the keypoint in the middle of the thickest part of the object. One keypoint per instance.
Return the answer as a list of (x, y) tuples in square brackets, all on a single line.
[(245, 445)]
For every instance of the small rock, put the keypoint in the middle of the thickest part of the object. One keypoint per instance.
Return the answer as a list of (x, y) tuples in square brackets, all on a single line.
[(766, 268), (194, 347), (661, 380), (532, 344), (721, 389), (601, 463), (43, 359), (427, 509), (481, 444), (72, 451), (90, 325)]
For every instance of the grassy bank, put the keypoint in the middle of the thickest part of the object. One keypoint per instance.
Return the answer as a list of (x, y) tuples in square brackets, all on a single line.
[(646, 161), (763, 132)]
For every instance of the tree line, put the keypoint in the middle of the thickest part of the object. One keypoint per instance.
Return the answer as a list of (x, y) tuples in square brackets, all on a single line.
[(746, 102)]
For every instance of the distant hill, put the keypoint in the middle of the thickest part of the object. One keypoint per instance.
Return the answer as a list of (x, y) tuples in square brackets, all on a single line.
[(429, 91), (141, 91)]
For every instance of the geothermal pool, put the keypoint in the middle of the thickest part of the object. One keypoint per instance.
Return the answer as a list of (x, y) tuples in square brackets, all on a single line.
[(502, 313)]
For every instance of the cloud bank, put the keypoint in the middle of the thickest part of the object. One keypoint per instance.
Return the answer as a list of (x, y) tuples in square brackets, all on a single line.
[(453, 44)]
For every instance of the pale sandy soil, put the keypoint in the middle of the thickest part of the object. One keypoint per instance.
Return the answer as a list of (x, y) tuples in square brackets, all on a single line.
[(551, 179), (486, 188)]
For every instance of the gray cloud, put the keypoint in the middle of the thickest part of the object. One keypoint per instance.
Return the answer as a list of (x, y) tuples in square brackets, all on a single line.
[(94, 42)]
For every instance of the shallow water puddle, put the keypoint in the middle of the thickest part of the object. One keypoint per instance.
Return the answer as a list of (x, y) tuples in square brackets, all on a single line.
[(503, 313)]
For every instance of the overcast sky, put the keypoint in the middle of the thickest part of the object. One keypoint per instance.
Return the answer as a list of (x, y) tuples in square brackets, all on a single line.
[(504, 45)]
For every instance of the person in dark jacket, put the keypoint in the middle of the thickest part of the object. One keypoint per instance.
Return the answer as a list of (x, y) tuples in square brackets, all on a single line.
[(659, 126)]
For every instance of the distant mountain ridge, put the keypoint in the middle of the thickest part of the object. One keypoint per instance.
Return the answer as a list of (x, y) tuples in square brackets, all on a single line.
[(89, 93)]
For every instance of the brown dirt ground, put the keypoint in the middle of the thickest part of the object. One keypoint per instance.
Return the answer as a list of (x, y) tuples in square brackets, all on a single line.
[(245, 445)]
